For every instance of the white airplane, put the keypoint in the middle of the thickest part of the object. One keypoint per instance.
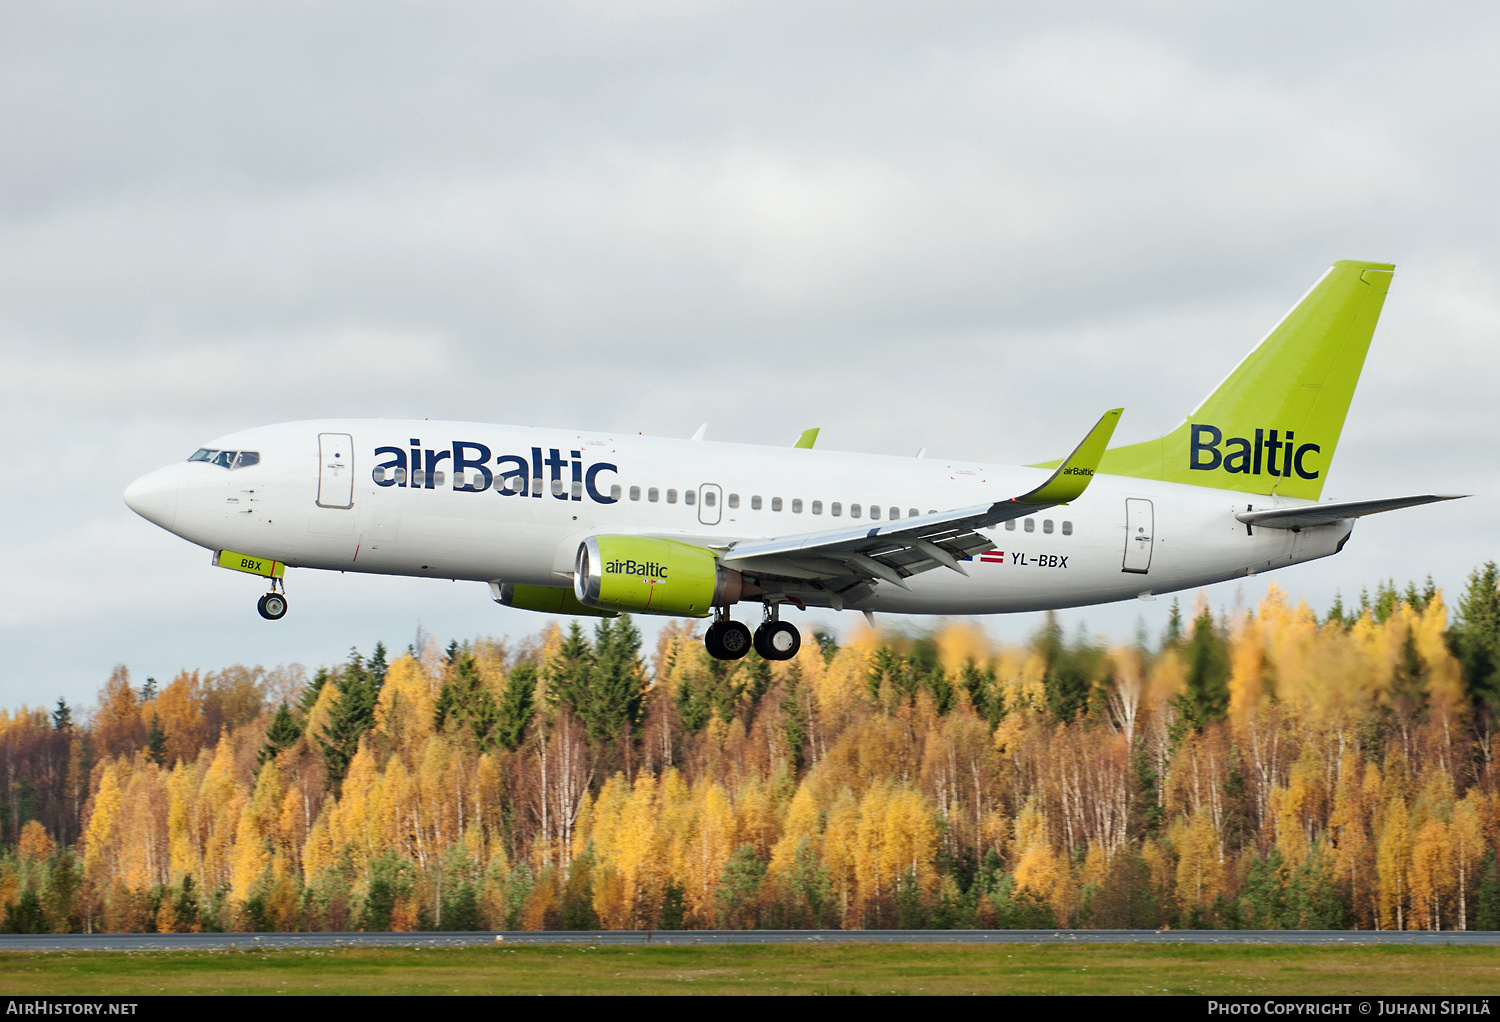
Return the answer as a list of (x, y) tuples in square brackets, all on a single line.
[(599, 523)]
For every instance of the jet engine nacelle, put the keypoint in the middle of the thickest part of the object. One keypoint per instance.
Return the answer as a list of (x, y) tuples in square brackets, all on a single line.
[(652, 576)]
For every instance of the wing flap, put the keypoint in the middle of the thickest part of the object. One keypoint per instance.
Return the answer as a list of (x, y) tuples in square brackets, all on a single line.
[(1310, 515)]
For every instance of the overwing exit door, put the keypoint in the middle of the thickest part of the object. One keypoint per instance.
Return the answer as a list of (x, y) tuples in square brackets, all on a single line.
[(1138, 531), (710, 497), (335, 470)]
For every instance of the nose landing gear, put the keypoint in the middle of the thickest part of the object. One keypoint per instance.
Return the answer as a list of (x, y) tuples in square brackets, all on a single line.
[(272, 606)]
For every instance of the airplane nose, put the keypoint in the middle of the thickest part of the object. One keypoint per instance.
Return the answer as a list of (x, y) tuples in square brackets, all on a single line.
[(154, 496)]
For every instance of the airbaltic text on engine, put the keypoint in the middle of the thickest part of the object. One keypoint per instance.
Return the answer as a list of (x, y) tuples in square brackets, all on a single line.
[(658, 576), (511, 475)]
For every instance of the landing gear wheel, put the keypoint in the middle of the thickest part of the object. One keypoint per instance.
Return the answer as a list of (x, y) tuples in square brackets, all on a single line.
[(777, 640), (272, 606), (727, 640)]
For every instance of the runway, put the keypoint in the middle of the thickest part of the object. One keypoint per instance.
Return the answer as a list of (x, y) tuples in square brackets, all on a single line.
[(260, 941)]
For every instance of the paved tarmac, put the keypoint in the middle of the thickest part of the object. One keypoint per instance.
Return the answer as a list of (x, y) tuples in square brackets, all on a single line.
[(249, 941)]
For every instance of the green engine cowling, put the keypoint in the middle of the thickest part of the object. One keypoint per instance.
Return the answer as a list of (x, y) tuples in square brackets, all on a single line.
[(545, 599), (652, 576)]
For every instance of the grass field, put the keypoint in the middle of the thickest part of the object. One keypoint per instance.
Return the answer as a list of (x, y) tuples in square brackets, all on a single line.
[(764, 969)]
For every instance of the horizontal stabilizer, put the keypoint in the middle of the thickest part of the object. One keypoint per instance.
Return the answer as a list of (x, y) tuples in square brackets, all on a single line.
[(1309, 515)]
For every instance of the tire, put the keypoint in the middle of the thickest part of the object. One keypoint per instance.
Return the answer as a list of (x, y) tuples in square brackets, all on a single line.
[(733, 641), (712, 641), (272, 606), (777, 640)]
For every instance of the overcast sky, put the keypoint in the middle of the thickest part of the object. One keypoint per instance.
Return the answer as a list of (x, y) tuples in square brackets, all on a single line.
[(969, 227)]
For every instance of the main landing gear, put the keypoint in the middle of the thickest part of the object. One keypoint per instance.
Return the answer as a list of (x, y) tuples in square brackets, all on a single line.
[(727, 640), (272, 606), (775, 639)]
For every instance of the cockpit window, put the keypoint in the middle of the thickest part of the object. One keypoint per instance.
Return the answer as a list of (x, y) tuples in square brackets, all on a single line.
[(226, 459)]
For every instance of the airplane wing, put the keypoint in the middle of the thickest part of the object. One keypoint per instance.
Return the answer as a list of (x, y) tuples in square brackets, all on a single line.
[(898, 550), (1309, 515)]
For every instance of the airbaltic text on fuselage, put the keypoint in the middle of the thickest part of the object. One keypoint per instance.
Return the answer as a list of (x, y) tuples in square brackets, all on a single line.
[(475, 470), (1276, 455)]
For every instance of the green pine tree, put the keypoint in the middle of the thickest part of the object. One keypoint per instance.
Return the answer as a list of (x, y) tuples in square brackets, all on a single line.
[(464, 701), (1475, 635), (618, 685), (156, 742), (518, 706), (352, 715), (284, 730), (1207, 696), (1070, 670), (570, 675), (1173, 633), (1487, 903)]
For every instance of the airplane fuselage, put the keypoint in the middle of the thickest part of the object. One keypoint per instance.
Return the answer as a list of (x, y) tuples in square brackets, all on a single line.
[(491, 503)]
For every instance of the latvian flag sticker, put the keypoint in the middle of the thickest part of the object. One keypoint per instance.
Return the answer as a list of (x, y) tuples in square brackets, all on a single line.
[(992, 557)]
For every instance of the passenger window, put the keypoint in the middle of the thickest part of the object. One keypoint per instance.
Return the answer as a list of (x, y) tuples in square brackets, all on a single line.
[(438, 477), (796, 505), (734, 500), (775, 503), (1010, 525), (817, 508), (671, 496), (1031, 525), (836, 509), (378, 475), (854, 511), (578, 489), (708, 498), (419, 478), (614, 492), (1047, 526), (875, 512), (755, 503), (536, 484), (653, 495), (635, 493), (1067, 528), (911, 512), (690, 496), (558, 487), (246, 459), (895, 513)]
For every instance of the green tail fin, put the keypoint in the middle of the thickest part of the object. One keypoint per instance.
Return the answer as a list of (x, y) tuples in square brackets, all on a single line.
[(1273, 425)]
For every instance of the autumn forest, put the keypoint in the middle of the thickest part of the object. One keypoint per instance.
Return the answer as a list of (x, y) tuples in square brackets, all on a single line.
[(1264, 768)]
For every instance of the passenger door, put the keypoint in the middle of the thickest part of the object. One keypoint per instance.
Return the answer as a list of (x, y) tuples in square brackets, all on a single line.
[(335, 470), (1138, 531)]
